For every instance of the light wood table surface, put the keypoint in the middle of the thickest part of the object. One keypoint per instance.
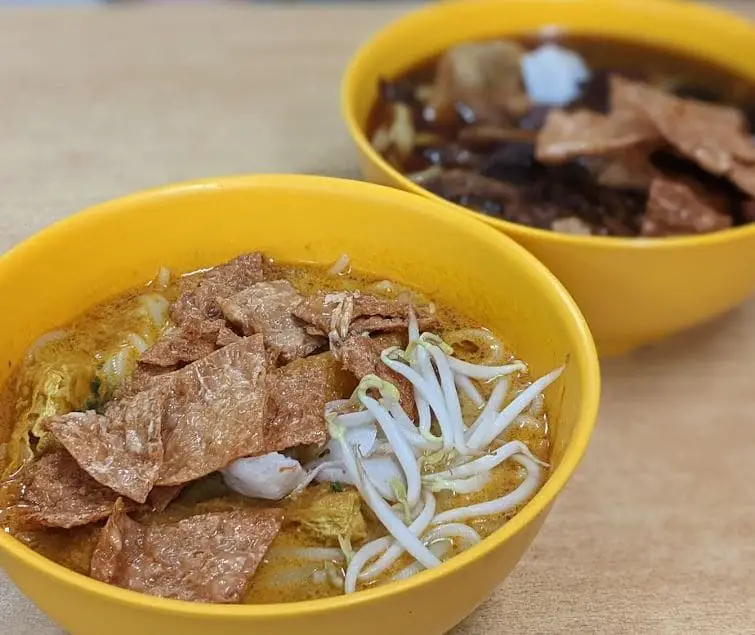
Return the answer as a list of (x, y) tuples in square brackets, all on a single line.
[(656, 532)]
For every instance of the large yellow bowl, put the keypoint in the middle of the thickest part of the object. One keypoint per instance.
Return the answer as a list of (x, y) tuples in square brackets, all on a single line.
[(91, 256), (631, 291)]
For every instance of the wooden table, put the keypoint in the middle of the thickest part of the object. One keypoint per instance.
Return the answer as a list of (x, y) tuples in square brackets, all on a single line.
[(654, 533)]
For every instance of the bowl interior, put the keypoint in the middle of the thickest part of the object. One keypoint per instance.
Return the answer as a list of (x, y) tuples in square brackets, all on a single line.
[(92, 256)]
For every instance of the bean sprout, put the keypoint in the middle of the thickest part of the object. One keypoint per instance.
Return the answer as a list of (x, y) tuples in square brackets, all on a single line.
[(476, 371), (392, 483), (398, 441), (450, 395), (468, 485), (314, 472), (156, 307), (490, 410), (380, 508), (466, 385), (432, 394), (500, 505), (484, 435), (418, 360), (394, 551), (381, 469), (314, 554), (487, 462), (415, 438)]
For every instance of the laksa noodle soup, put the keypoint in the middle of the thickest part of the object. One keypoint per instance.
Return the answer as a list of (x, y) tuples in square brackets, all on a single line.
[(576, 135), (262, 432)]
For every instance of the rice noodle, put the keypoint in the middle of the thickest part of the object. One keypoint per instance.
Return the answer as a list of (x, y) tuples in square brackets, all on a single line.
[(334, 576), (44, 340), (341, 266), (537, 407), (381, 469), (156, 307), (115, 367), (462, 535), (314, 554), (288, 576), (137, 341), (483, 340), (506, 503)]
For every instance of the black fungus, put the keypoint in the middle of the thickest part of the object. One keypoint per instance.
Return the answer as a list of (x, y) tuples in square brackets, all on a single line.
[(695, 91), (399, 90)]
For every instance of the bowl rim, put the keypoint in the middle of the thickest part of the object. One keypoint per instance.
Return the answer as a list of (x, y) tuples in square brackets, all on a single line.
[(707, 16), (585, 356)]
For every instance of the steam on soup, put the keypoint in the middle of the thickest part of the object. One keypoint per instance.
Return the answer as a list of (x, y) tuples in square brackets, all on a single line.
[(583, 136), (264, 432)]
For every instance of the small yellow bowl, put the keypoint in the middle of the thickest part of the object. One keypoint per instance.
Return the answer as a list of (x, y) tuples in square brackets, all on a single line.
[(91, 256), (631, 291)]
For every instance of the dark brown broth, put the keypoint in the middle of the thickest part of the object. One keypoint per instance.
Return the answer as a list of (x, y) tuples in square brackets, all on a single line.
[(610, 211)]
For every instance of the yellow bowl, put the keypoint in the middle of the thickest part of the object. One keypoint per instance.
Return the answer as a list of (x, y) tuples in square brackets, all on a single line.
[(631, 291), (93, 255)]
